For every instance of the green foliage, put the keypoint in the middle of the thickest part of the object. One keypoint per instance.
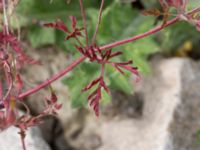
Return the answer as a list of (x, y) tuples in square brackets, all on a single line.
[(172, 38), (178, 33), (40, 36), (78, 79), (33, 13), (193, 4)]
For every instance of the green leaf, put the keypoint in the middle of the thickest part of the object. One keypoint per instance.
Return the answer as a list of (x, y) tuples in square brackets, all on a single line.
[(172, 37), (31, 13), (41, 36), (77, 97), (77, 80), (43, 10), (120, 82), (106, 98), (113, 21), (139, 52)]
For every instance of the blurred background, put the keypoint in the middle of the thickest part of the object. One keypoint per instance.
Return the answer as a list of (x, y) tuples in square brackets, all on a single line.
[(161, 112)]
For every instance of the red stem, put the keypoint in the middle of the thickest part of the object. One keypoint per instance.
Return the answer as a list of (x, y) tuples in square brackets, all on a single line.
[(108, 46), (131, 39), (99, 21), (8, 74), (52, 79), (194, 11), (23, 141)]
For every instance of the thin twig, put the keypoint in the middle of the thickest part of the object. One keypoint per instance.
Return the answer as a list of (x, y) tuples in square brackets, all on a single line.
[(194, 11), (79, 42), (8, 70), (22, 136), (84, 21), (52, 79), (131, 39), (154, 30), (98, 23), (23, 144)]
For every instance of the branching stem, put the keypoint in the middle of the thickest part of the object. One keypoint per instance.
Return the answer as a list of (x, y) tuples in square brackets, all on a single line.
[(107, 46)]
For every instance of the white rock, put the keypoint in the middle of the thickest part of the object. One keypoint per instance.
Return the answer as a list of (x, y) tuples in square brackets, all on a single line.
[(10, 140)]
